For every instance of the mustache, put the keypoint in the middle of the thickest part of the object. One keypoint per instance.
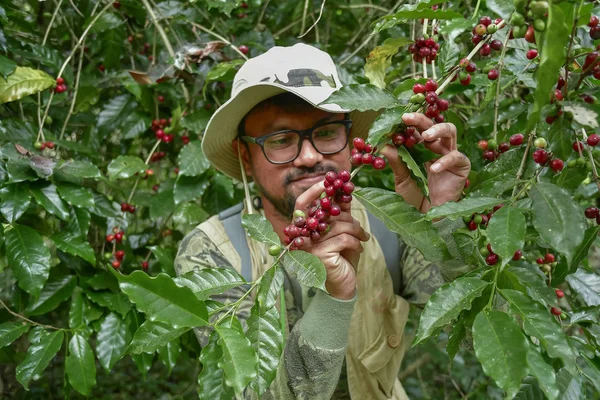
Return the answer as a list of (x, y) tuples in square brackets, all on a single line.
[(300, 173)]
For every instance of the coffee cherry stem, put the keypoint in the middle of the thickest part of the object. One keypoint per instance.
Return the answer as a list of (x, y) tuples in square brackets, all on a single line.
[(591, 158), (499, 68)]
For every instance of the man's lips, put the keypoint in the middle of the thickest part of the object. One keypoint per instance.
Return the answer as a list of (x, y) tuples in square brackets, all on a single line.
[(310, 179)]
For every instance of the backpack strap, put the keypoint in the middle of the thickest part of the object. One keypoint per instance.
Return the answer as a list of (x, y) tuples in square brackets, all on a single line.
[(232, 222), (390, 245)]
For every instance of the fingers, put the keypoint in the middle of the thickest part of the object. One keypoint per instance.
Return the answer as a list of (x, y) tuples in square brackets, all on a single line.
[(401, 171), (352, 228), (440, 138), (403, 182), (419, 121), (305, 199), (455, 162)]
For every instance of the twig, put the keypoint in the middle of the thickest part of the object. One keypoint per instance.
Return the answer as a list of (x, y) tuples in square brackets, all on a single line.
[(524, 159), (497, 100), (262, 13), (17, 315), (316, 22), (410, 369), (591, 156), (366, 5), (76, 9), (234, 47), (139, 178), (363, 44), (304, 15), (455, 384), (573, 31), (64, 127)]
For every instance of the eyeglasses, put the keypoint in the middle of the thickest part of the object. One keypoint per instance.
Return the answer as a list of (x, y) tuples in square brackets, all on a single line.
[(284, 146)]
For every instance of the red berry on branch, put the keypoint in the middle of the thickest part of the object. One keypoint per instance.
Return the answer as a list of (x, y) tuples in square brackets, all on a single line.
[(483, 144), (60, 81), (475, 39), (491, 259), (540, 156), (471, 67), (356, 159), (595, 33), (472, 225), (298, 242), (160, 134), (559, 293), (367, 158), (593, 140), (578, 147), (464, 63), (101, 67), (145, 265), (466, 81), (443, 104), (549, 258), (592, 212), (155, 188), (531, 54), (540, 260), (518, 255), (378, 163), (110, 238), (344, 175), (348, 187), (244, 49), (496, 45), (439, 118), (131, 209), (516, 139), (558, 95), (119, 236), (489, 155), (503, 147), (335, 210), (410, 141), (593, 21), (560, 83), (530, 34), (168, 138), (485, 50), (485, 21), (119, 255), (493, 75), (480, 29), (116, 264), (49, 145), (431, 98), (418, 88), (397, 139), (557, 165), (431, 85), (555, 311), (160, 98)]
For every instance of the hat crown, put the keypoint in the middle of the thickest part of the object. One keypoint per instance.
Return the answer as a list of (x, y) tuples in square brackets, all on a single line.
[(300, 65)]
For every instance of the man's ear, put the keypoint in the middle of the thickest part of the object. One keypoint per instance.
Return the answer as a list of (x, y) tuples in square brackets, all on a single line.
[(244, 154)]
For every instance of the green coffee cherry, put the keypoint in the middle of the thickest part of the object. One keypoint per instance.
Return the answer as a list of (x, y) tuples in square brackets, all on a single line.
[(538, 8), (48, 120), (572, 163), (581, 162), (520, 5), (107, 255), (492, 145), (299, 213), (517, 20), (417, 98), (539, 25), (519, 31), (38, 145), (275, 250), (492, 28), (478, 219), (540, 143), (488, 68), (484, 251), (588, 166), (466, 219)]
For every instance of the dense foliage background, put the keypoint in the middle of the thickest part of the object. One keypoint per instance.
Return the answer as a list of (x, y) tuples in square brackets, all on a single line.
[(113, 148)]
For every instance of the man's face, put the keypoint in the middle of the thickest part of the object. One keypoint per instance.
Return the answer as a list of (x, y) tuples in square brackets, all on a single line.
[(281, 184)]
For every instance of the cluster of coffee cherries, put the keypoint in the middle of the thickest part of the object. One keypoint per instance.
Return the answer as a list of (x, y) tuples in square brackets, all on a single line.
[(546, 263), (158, 126), (492, 258), (157, 156), (405, 137), (476, 221), (126, 207), (426, 93), (338, 189), (485, 27), (362, 153), (593, 213), (594, 28), (116, 236), (541, 156), (492, 150), (424, 48), (44, 145), (590, 65), (60, 85)]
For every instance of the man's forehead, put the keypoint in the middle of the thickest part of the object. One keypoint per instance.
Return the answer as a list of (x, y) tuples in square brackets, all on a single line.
[(272, 118)]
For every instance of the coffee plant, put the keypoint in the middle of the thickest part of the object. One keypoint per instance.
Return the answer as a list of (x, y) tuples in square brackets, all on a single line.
[(101, 175)]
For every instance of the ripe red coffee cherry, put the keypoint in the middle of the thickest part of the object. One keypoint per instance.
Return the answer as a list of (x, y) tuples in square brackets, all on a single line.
[(312, 223), (378, 163), (116, 264), (491, 259), (475, 39), (124, 207), (358, 143), (595, 33), (160, 98), (326, 203), (431, 86), (419, 88), (120, 254), (559, 293), (471, 67), (549, 258), (367, 158), (110, 238), (299, 242), (356, 159), (593, 140), (60, 81), (531, 54), (557, 165), (540, 156), (516, 139), (578, 147), (555, 311), (518, 255), (348, 187), (485, 21), (593, 21), (493, 75), (443, 104), (483, 144), (397, 139), (119, 236), (539, 260), (485, 51), (503, 147), (466, 81), (472, 225), (244, 49), (101, 67), (145, 264), (410, 141), (335, 210), (330, 176), (464, 63), (480, 29), (344, 175), (489, 155), (592, 212), (496, 44), (431, 98), (558, 95), (160, 134), (530, 34), (49, 145)]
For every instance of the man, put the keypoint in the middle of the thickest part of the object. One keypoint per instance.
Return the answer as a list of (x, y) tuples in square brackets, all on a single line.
[(355, 330)]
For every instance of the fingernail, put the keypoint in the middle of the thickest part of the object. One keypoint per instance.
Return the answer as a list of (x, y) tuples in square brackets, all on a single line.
[(409, 115), (436, 167), (426, 134)]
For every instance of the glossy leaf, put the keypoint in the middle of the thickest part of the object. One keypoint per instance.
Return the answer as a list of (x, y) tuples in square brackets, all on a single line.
[(557, 218), (239, 360), (150, 336), (76, 195), (538, 322), (39, 354), (57, 289), (592, 372), (446, 304), (191, 160), (162, 300), (211, 379), (24, 81), (506, 232), (309, 270), (124, 167), (414, 167), (73, 170), (210, 281), (448, 55), (169, 354), (570, 386), (402, 218), (7, 66), (535, 283), (384, 124), (465, 207), (501, 349), (77, 310), (113, 339), (416, 11), (587, 286), (543, 372), (74, 245), (29, 258), (455, 337), (269, 288), (189, 188), (563, 269), (47, 196), (502, 8), (163, 205), (380, 59), (267, 341), (11, 331), (14, 201), (80, 365), (116, 302), (165, 259), (362, 97), (259, 228)]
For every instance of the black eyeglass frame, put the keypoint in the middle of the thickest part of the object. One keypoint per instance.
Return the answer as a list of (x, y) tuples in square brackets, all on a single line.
[(304, 134)]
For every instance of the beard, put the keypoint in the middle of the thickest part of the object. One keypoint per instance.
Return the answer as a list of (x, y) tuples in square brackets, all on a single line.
[(285, 204)]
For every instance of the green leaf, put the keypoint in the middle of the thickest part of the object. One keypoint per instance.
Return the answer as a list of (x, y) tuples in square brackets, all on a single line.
[(124, 167), (535, 283), (560, 141), (11, 331), (73, 171), (47, 196), (402, 218), (416, 11), (23, 82), (189, 188), (414, 168), (570, 386), (239, 360), (380, 59), (259, 228), (384, 124), (15, 201), (210, 281), (362, 97), (455, 337), (169, 353), (196, 122), (267, 341), (191, 160), (502, 8), (162, 300), (222, 69), (557, 218), (219, 196), (562, 269), (506, 232), (446, 304), (538, 322), (77, 310), (269, 288), (29, 258), (211, 379), (163, 205), (152, 335), (38, 357), (592, 372), (7, 66), (309, 270), (113, 338), (448, 55), (114, 113), (501, 349), (74, 245), (587, 286), (543, 372), (57, 289), (552, 53), (116, 302), (75, 195), (80, 365), (165, 258), (465, 207)]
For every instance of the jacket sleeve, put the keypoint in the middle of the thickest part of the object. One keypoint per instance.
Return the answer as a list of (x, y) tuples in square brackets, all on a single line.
[(314, 351)]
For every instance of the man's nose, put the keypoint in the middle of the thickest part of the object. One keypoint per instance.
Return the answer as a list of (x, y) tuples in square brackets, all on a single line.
[(308, 156)]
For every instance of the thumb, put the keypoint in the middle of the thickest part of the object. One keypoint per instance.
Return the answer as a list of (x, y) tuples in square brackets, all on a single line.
[(405, 185)]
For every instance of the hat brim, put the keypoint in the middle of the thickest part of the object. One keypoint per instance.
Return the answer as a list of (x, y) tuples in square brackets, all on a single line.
[(223, 125)]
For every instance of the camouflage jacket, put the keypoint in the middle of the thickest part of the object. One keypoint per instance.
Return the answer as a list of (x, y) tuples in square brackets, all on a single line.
[(335, 349)]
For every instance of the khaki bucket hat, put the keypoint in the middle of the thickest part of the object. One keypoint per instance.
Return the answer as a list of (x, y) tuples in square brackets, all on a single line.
[(303, 70)]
